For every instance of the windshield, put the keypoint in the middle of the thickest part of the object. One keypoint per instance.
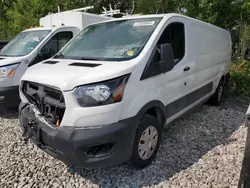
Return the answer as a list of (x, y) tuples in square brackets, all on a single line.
[(111, 41), (24, 43)]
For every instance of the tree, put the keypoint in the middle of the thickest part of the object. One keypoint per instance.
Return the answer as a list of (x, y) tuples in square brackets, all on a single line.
[(23, 15), (16, 15), (157, 6)]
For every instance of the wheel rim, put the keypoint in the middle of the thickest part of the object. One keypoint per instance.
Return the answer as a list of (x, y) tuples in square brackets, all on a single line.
[(148, 143), (220, 92)]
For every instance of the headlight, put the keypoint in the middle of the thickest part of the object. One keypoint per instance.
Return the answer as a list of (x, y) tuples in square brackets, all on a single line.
[(8, 70), (104, 93)]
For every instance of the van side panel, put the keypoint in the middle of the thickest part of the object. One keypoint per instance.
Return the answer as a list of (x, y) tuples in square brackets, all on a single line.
[(210, 48)]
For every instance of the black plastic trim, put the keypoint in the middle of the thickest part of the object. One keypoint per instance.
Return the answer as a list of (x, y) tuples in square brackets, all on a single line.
[(151, 69), (188, 112), (85, 65), (51, 62), (178, 105), (153, 104)]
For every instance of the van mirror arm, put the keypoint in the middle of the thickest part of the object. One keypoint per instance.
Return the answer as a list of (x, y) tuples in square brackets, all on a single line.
[(162, 67)]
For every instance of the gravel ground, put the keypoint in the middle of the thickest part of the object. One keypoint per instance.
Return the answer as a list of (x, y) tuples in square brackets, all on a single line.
[(205, 149)]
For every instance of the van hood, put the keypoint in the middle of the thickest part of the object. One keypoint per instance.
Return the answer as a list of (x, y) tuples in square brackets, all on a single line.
[(9, 60), (68, 74)]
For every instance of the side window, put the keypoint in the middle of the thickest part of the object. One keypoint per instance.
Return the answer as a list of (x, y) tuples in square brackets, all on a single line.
[(53, 46), (64, 38), (175, 35)]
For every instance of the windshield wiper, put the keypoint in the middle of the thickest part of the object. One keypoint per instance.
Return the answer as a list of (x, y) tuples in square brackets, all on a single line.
[(59, 55), (93, 59)]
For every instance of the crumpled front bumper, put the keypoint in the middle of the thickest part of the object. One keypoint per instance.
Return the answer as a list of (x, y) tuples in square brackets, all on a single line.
[(72, 145)]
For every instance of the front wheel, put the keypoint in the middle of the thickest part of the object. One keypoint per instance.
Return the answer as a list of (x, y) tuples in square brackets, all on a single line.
[(147, 142)]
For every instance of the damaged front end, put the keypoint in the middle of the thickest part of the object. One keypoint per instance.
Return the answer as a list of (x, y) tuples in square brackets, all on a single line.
[(46, 101)]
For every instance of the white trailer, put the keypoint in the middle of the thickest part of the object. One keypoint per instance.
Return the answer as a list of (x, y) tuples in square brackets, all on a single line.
[(72, 18)]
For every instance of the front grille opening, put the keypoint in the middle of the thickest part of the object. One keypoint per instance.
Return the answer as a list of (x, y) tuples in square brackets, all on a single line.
[(55, 94), (100, 150), (33, 86), (48, 101)]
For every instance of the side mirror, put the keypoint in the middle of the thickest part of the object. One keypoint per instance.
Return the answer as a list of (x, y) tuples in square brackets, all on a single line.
[(247, 54), (167, 62)]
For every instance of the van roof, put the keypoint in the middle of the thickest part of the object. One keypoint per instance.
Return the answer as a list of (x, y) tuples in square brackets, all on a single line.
[(47, 28), (169, 15)]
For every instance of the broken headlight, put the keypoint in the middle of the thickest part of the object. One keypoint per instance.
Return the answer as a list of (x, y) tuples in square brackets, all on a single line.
[(102, 93)]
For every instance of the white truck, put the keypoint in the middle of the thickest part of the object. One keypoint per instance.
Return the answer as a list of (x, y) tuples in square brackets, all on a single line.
[(37, 44), (107, 97)]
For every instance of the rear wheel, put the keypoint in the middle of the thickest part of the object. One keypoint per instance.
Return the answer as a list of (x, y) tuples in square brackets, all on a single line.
[(147, 142), (216, 99)]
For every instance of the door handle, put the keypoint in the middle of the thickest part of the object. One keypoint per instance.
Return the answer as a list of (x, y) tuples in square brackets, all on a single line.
[(186, 68)]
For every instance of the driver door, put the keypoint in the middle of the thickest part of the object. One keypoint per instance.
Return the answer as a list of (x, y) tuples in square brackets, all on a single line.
[(173, 85)]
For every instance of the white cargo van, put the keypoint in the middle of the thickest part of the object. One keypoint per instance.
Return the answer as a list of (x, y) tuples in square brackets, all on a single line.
[(118, 83), (34, 45), (27, 49)]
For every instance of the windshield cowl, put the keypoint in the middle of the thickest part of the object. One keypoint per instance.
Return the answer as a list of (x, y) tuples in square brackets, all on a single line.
[(91, 58)]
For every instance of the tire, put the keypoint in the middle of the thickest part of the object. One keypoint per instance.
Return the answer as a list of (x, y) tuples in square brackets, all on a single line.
[(147, 126), (216, 99)]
